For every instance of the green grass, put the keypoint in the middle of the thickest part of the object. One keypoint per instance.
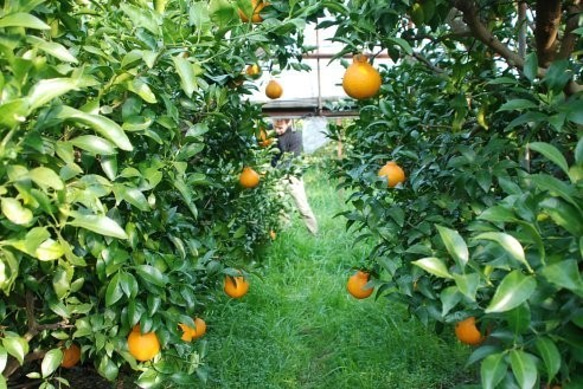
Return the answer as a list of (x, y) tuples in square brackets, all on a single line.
[(298, 327)]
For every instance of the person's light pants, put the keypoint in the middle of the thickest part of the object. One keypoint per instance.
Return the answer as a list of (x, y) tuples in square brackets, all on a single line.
[(296, 188)]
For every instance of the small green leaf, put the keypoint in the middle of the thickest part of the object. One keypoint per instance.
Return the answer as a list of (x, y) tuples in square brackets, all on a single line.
[(551, 153), (564, 214), (143, 90), (493, 370), (509, 243), (565, 274), (434, 266), (518, 319), (579, 152), (94, 144), (3, 359), (49, 250), (531, 66), (15, 212), (514, 290), (187, 71), (498, 213), (61, 282), (51, 362), (52, 48), (467, 284), (16, 346), (107, 368), (402, 43), (549, 352), (114, 291), (23, 20), (152, 275), (517, 104), (46, 178), (99, 224), (450, 297), (524, 368), (455, 245), (46, 90)]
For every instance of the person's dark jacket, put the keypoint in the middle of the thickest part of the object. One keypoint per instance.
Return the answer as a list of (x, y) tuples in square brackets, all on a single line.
[(288, 142)]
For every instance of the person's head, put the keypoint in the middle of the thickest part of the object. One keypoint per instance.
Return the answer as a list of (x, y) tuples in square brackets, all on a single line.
[(280, 125)]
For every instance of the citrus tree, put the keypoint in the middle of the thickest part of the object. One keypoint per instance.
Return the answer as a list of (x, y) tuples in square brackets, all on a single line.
[(481, 109), (124, 130)]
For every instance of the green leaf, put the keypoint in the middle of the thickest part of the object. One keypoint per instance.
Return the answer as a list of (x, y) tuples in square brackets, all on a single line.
[(114, 291), (109, 166), (3, 359), (467, 284), (51, 362), (450, 297), (94, 144), (104, 126), (61, 282), (524, 368), (518, 319), (517, 104), (186, 194), (549, 352), (509, 243), (15, 212), (99, 224), (455, 245), (129, 285), (107, 368), (514, 290), (16, 346), (434, 266), (132, 195), (46, 178), (498, 213), (49, 250), (187, 72), (565, 274), (579, 152), (23, 20), (152, 275), (493, 370), (52, 48), (46, 90), (531, 66), (402, 43), (14, 112), (142, 17), (565, 215), (551, 153), (143, 90)]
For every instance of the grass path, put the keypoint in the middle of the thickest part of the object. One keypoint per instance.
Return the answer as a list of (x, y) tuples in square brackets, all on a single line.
[(298, 327)]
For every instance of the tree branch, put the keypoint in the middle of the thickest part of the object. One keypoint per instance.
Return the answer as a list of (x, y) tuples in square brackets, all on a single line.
[(569, 39), (426, 62), (548, 19)]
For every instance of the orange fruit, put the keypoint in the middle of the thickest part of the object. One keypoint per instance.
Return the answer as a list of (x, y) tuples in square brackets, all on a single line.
[(361, 80), (189, 333), (236, 287), (393, 172), (143, 347), (249, 178), (467, 332), (257, 6), (71, 356), (253, 71), (263, 138), (356, 283), (273, 90), (272, 235)]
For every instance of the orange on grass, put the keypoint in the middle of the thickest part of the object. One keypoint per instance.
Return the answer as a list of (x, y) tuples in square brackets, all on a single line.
[(189, 333), (272, 235), (273, 90), (257, 6), (356, 283), (143, 347), (253, 71), (393, 172), (263, 138), (249, 178), (236, 287), (71, 356), (467, 332), (361, 80)]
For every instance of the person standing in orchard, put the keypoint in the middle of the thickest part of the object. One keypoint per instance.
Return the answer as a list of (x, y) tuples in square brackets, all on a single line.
[(289, 142)]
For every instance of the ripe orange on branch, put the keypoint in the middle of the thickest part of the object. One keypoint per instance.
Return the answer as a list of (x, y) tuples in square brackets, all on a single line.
[(256, 6), (356, 285), (467, 332), (190, 333), (143, 347), (249, 178), (273, 90), (253, 71), (236, 287), (71, 356), (393, 172), (361, 80)]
